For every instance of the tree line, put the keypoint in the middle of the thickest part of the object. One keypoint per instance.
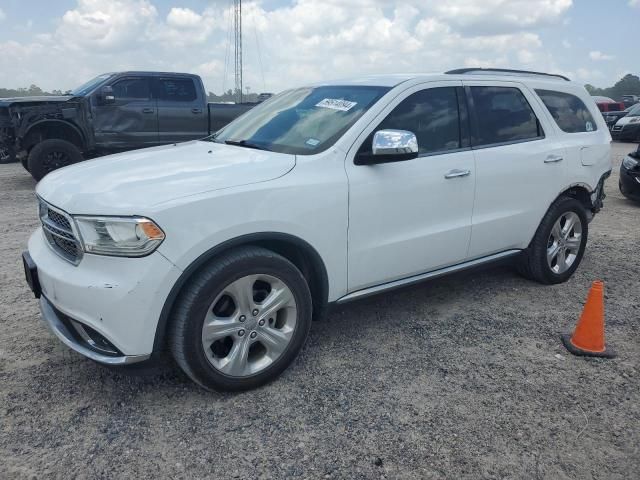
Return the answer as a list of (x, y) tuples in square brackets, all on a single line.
[(35, 91), (627, 85)]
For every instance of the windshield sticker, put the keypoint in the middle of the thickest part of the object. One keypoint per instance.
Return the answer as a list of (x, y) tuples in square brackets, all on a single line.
[(589, 127), (336, 104), (312, 142)]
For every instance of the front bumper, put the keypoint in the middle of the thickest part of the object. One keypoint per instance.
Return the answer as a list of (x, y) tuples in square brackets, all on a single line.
[(631, 131), (76, 337), (630, 183), (119, 299)]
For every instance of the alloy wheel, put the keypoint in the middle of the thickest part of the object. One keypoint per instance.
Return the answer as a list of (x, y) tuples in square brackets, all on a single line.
[(54, 160), (249, 325), (564, 242)]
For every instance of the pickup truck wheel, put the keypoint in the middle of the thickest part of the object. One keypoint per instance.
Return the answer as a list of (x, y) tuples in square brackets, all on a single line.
[(241, 320), (559, 243), (49, 155)]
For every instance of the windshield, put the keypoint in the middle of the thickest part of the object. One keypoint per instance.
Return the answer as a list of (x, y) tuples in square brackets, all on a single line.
[(302, 121), (634, 111), (91, 84)]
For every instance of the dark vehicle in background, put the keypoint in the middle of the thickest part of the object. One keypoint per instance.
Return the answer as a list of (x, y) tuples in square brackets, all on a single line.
[(611, 118), (627, 128), (630, 176), (112, 113), (630, 100), (606, 104)]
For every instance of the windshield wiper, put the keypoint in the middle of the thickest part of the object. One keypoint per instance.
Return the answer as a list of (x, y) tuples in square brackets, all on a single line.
[(245, 143)]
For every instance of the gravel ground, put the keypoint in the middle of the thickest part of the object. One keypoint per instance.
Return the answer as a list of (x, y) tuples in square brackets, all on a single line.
[(463, 377)]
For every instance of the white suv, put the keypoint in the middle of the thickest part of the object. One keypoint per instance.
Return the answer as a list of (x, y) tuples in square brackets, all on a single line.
[(224, 249)]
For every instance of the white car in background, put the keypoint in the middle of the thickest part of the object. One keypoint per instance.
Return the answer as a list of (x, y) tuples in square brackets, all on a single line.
[(223, 250)]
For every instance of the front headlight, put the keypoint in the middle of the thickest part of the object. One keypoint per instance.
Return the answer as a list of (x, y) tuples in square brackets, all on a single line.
[(629, 162), (119, 236), (635, 120)]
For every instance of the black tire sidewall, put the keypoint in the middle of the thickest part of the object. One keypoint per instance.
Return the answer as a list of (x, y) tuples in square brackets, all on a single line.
[(38, 153), (198, 302), (562, 206)]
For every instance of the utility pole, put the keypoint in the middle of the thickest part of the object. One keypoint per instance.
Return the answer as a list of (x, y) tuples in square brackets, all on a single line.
[(237, 26)]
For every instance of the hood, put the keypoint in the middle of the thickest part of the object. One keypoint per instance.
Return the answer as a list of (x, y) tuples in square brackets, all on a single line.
[(132, 183), (626, 120), (48, 99)]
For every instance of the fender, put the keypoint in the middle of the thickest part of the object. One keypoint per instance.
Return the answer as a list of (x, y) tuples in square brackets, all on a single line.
[(248, 239), (63, 123)]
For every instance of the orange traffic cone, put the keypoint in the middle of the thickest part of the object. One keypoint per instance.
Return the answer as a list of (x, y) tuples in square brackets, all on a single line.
[(588, 338)]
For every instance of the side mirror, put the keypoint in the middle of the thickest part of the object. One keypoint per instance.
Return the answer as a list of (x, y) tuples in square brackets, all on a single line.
[(390, 146), (106, 95)]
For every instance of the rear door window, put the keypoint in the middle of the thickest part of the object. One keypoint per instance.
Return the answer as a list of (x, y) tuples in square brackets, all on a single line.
[(175, 90), (569, 112), (503, 115)]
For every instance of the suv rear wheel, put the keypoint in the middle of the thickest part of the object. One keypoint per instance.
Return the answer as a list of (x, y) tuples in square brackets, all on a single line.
[(241, 320), (51, 154), (558, 245)]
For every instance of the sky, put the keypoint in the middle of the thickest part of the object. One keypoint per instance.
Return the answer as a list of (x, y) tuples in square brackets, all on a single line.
[(60, 44)]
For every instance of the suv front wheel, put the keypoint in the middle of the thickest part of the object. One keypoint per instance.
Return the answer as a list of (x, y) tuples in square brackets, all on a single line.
[(241, 320), (558, 245)]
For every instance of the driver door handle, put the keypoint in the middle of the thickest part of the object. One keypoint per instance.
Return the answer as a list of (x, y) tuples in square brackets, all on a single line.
[(455, 173), (553, 159), (147, 110)]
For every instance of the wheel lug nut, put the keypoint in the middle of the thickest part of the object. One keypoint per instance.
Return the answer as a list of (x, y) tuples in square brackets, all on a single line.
[(255, 312), (242, 318), (261, 322), (253, 335), (241, 333)]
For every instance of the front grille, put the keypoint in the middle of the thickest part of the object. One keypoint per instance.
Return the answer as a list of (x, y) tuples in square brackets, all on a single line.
[(58, 230)]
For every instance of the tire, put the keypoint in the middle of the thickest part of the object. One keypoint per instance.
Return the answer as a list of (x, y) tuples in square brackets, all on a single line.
[(49, 155), (537, 261), (223, 358)]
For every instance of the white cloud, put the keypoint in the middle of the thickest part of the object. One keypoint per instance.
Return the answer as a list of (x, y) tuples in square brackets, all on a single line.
[(566, 43), (115, 25), (307, 40), (2, 15), (598, 56), (501, 15), (634, 3)]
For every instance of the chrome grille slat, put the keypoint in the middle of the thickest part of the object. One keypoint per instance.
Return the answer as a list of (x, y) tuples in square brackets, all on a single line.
[(59, 232)]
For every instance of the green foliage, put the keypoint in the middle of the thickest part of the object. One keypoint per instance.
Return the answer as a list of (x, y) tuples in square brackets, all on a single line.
[(231, 96), (627, 85), (32, 91)]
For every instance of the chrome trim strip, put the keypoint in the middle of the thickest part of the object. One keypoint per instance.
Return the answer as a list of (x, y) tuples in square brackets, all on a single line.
[(52, 320), (424, 276)]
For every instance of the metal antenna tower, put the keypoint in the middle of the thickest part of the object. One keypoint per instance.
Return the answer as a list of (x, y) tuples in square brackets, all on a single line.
[(237, 27)]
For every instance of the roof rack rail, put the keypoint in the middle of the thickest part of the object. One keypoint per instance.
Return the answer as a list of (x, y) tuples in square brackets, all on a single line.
[(460, 71)]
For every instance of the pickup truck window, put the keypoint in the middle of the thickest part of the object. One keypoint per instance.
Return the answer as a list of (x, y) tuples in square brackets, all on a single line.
[(132, 89), (176, 90), (303, 121)]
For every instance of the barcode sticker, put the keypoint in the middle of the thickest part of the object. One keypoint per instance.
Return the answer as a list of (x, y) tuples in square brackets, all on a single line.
[(336, 104)]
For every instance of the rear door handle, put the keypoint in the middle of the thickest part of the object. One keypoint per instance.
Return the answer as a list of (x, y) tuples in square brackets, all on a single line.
[(455, 173), (553, 159), (196, 110), (148, 110)]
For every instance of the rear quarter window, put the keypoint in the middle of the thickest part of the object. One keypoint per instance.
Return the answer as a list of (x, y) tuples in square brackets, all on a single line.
[(569, 112)]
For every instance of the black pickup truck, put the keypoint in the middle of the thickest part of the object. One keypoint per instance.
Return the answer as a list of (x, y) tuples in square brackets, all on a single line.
[(113, 112)]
